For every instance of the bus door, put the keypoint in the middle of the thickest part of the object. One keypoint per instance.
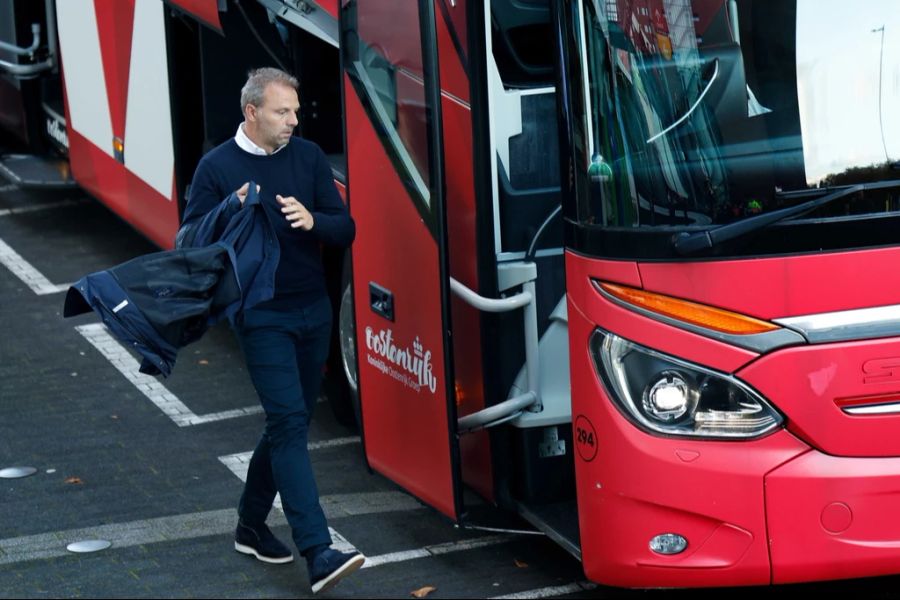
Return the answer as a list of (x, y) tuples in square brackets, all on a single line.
[(399, 258)]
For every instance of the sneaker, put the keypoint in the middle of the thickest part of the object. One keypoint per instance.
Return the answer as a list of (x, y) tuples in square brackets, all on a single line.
[(261, 543), (330, 566)]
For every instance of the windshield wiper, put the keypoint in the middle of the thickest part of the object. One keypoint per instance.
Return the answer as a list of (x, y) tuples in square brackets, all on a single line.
[(691, 243), (693, 106)]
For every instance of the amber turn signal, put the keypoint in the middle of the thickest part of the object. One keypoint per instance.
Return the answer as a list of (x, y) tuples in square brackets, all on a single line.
[(717, 319)]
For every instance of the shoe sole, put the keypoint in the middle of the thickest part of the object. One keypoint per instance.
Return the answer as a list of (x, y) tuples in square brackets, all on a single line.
[(251, 552), (345, 569)]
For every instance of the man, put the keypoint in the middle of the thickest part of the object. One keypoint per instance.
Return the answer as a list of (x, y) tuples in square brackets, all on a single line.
[(285, 340)]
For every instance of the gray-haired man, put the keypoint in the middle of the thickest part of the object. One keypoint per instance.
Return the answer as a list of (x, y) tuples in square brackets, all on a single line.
[(285, 340)]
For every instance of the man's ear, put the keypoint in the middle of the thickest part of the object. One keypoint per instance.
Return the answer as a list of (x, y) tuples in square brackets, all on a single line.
[(250, 113)]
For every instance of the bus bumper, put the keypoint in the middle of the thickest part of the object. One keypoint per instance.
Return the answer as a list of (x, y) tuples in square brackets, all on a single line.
[(813, 517), (833, 518), (712, 494)]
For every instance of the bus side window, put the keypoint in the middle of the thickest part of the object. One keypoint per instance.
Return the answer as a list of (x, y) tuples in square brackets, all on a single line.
[(385, 62), (522, 42), (529, 179)]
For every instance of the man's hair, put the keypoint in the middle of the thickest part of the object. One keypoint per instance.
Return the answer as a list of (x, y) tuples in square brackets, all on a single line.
[(258, 79)]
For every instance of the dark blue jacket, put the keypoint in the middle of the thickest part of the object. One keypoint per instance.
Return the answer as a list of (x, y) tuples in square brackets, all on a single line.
[(301, 170), (250, 233), (160, 302)]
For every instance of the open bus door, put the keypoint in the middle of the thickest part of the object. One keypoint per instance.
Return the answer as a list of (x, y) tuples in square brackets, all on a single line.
[(399, 259)]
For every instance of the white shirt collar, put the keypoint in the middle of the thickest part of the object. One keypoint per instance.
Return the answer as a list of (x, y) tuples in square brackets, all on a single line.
[(248, 145)]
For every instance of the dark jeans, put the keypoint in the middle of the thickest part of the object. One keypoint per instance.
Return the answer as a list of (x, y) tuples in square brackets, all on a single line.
[(285, 353)]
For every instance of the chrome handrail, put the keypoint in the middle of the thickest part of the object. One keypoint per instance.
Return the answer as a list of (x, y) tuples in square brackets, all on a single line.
[(501, 412)]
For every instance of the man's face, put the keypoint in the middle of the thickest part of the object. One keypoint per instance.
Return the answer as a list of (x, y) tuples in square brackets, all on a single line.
[(271, 124)]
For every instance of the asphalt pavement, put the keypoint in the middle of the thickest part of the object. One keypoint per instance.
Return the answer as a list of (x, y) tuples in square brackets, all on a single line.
[(155, 466)]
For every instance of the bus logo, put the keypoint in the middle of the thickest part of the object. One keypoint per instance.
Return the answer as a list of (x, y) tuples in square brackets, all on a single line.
[(881, 370), (411, 367), (57, 132)]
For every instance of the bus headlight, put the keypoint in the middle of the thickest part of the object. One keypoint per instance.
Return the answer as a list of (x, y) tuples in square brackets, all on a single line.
[(670, 396)]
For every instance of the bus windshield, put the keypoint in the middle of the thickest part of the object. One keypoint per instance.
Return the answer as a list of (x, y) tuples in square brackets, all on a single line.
[(701, 113)]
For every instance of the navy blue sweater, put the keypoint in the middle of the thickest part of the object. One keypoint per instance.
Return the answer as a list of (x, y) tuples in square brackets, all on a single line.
[(300, 170)]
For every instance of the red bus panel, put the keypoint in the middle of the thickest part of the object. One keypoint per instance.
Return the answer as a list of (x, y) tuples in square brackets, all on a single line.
[(402, 377), (118, 116), (475, 451), (831, 517), (633, 486)]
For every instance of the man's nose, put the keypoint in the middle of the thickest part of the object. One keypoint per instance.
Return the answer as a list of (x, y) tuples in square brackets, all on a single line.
[(292, 120)]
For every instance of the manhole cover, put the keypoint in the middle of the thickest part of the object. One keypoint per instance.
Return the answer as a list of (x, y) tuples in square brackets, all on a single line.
[(16, 472), (88, 546)]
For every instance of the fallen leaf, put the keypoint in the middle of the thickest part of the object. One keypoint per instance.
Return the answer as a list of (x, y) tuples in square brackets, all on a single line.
[(114, 417), (74, 480), (202, 361), (520, 564), (423, 591)]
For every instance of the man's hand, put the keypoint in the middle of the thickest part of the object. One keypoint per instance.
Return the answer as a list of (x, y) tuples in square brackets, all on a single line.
[(242, 192), (295, 212)]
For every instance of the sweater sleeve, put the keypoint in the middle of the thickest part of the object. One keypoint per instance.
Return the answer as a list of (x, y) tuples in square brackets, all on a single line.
[(208, 210), (333, 224)]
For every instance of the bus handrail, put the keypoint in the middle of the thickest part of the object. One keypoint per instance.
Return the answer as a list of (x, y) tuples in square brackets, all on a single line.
[(24, 71), (503, 411), (28, 71), (490, 304), (35, 42), (494, 415)]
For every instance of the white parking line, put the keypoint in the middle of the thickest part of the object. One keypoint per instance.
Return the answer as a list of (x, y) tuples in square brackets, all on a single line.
[(335, 505), (238, 464), (216, 523), (334, 442), (37, 207), (435, 550), (552, 591), (244, 457), (122, 535), (30, 276), (20, 267), (166, 401), (345, 505)]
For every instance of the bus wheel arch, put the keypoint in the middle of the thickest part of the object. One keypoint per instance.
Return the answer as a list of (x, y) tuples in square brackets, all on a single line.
[(341, 383)]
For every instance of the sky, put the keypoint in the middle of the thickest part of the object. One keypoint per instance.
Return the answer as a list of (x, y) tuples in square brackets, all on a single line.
[(838, 81)]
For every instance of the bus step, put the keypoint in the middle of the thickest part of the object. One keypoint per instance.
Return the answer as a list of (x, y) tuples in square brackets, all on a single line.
[(559, 520), (29, 171)]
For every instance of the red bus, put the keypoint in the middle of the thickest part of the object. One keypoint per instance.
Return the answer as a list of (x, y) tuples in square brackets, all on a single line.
[(623, 267), (123, 97)]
